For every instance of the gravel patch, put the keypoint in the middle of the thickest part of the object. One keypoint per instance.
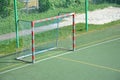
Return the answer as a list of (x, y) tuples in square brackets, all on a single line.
[(100, 16)]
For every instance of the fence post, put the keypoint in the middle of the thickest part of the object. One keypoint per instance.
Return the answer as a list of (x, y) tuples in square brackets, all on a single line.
[(16, 23), (86, 14)]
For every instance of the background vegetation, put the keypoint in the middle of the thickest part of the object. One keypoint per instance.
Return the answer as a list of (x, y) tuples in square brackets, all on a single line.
[(5, 8), (107, 1), (47, 8)]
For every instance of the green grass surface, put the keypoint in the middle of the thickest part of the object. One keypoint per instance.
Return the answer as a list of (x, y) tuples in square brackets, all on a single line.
[(95, 34), (100, 62), (8, 46), (96, 59)]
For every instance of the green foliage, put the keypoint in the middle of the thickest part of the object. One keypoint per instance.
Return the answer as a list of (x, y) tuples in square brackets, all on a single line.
[(65, 3), (107, 1), (5, 8), (57, 3), (118, 1), (72, 2), (44, 5)]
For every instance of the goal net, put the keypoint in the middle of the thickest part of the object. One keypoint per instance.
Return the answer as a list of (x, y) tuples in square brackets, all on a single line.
[(39, 36)]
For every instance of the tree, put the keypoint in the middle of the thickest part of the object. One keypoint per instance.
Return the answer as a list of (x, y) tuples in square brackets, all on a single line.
[(118, 1), (108, 1), (69, 2), (44, 5), (4, 8)]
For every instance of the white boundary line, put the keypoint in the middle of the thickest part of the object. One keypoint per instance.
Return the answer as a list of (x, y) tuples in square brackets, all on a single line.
[(59, 55), (36, 53)]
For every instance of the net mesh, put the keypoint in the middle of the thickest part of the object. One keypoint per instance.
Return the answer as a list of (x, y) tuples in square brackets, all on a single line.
[(49, 35), (25, 41)]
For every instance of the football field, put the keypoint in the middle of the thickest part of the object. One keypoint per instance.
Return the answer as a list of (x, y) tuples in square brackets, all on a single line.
[(96, 58)]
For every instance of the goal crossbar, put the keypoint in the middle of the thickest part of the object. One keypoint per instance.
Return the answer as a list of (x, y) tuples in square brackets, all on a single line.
[(33, 51)]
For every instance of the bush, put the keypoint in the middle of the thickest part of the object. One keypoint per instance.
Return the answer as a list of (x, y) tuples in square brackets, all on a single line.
[(4, 8), (72, 2), (108, 1), (44, 5), (118, 1)]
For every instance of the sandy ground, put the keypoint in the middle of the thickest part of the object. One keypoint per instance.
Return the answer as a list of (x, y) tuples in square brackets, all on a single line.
[(99, 16)]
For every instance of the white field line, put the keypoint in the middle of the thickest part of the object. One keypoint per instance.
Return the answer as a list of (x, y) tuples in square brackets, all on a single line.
[(59, 55)]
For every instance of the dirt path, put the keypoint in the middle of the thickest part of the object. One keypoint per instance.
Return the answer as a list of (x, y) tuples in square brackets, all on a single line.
[(100, 16)]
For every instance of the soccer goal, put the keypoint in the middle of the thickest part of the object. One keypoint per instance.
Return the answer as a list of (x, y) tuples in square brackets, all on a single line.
[(47, 34)]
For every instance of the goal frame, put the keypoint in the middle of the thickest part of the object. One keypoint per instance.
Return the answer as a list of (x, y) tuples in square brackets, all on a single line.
[(33, 52), (56, 17)]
